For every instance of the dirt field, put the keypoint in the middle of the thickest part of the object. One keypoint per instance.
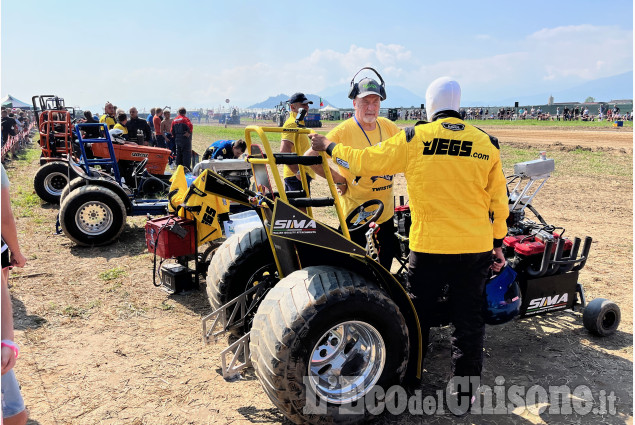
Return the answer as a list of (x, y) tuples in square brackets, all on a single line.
[(101, 345)]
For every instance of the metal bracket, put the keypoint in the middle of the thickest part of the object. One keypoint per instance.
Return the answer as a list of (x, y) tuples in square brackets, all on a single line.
[(232, 314), (371, 246), (523, 197), (580, 290), (236, 351)]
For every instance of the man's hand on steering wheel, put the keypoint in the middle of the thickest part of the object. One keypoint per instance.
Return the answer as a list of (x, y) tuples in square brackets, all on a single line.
[(364, 215)]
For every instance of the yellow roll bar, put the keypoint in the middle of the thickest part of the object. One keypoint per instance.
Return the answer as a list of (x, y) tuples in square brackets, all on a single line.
[(270, 160)]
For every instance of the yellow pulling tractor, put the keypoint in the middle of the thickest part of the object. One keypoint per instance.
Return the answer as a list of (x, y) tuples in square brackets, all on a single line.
[(320, 320)]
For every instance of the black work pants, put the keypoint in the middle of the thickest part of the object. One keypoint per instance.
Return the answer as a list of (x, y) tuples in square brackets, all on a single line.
[(183, 151), (466, 275), (385, 241)]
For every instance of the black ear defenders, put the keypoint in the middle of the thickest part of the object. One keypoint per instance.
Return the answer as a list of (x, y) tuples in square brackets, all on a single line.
[(354, 90)]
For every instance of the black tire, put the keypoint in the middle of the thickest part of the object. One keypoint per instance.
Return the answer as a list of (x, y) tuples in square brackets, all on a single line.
[(74, 184), (601, 317), (92, 215), (242, 261), (153, 186), (50, 180), (295, 335)]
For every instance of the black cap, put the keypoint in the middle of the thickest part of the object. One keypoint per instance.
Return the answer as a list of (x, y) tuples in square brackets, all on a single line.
[(299, 98), (369, 86)]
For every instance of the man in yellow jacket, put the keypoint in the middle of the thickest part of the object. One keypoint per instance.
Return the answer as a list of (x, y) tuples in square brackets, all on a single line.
[(366, 128), (109, 116), (295, 143), (459, 207)]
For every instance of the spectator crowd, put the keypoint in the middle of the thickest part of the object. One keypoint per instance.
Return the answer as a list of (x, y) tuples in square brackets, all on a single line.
[(16, 126), (157, 129)]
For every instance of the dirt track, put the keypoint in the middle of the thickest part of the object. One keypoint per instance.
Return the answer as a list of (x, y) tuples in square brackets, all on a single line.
[(112, 349), (596, 139)]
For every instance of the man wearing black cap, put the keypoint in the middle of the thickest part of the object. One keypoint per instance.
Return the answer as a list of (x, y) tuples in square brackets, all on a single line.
[(295, 143), (366, 128)]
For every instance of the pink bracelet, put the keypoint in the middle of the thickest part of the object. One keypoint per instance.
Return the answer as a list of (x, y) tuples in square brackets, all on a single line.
[(12, 345)]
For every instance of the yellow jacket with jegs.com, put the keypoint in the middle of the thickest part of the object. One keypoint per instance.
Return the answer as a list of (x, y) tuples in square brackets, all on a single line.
[(456, 186)]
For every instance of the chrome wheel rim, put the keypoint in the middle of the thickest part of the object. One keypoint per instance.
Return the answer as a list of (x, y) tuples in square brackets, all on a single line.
[(346, 362), (54, 183), (94, 218)]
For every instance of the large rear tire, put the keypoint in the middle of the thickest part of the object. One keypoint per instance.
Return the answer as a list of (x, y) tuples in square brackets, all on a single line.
[(50, 180), (242, 261), (327, 334), (92, 215)]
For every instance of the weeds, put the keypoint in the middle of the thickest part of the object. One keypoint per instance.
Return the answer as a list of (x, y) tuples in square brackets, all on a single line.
[(24, 203), (165, 306), (129, 310), (112, 274), (114, 287), (72, 311)]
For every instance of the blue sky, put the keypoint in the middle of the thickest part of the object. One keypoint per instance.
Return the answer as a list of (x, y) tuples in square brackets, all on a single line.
[(197, 54)]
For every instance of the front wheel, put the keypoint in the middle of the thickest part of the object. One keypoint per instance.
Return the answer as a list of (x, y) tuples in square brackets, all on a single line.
[(50, 180), (92, 215), (318, 344)]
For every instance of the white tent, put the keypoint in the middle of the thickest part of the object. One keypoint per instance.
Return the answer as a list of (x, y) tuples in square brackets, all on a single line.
[(12, 102), (329, 108)]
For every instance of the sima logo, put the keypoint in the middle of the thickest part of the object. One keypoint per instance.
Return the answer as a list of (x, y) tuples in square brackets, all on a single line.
[(282, 225), (545, 302), (139, 154)]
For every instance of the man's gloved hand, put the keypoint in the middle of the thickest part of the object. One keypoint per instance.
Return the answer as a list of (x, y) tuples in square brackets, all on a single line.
[(499, 260)]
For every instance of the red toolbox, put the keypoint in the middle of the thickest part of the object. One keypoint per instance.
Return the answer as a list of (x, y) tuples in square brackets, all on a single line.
[(172, 236)]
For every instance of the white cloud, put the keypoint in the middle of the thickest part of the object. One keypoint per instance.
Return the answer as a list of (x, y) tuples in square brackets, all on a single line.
[(583, 52), (546, 59)]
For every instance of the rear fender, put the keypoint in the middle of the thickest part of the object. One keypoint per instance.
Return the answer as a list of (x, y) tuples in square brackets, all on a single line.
[(98, 180)]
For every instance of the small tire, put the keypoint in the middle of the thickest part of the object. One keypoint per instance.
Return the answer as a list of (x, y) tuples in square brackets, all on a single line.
[(50, 180), (601, 317), (92, 215), (317, 325), (242, 261), (152, 186)]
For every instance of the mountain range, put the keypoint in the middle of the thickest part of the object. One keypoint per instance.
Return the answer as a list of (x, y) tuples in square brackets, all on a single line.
[(602, 90)]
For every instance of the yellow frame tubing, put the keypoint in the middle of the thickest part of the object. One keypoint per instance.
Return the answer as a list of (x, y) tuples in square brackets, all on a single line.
[(270, 160)]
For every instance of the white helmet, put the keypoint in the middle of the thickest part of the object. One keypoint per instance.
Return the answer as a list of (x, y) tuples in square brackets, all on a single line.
[(443, 94)]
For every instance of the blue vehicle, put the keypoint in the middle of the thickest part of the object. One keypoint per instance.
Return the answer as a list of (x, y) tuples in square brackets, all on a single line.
[(94, 205), (312, 120)]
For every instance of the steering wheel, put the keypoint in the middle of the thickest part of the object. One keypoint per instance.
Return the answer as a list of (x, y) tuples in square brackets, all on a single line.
[(140, 167), (364, 214)]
